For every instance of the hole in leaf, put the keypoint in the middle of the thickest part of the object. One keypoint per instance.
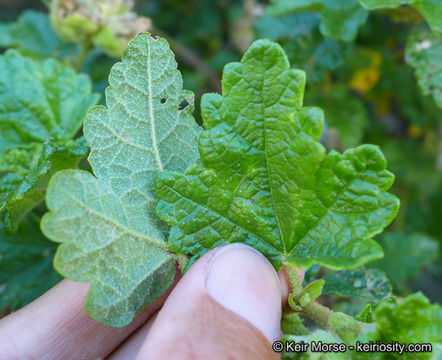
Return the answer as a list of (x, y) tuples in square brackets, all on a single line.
[(183, 104), (163, 100)]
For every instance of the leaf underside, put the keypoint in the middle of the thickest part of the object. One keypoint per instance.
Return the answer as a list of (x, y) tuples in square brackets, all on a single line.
[(265, 180), (105, 222)]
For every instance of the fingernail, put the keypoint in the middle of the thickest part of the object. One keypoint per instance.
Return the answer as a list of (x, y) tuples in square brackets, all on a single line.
[(242, 280)]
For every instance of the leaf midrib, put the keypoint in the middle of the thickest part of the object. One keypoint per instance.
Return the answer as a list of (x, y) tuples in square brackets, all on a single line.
[(151, 112)]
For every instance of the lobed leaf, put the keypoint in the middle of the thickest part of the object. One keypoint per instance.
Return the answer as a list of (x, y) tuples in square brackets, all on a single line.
[(105, 222), (265, 180)]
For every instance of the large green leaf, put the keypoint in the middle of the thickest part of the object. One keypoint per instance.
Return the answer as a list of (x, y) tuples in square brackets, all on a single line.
[(424, 53), (106, 223), (370, 285), (32, 35), (406, 255), (25, 264), (265, 180), (40, 102), (431, 10), (339, 19)]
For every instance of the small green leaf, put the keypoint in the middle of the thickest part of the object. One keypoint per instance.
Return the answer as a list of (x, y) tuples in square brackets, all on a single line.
[(32, 35), (370, 285), (311, 292), (25, 264), (424, 53), (265, 180), (431, 10), (406, 255), (105, 222), (339, 19)]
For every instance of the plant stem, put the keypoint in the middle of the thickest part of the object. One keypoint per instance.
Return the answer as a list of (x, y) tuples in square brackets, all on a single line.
[(84, 47), (321, 314)]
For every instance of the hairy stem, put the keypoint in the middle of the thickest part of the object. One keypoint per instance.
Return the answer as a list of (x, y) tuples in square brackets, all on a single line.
[(84, 49), (319, 313)]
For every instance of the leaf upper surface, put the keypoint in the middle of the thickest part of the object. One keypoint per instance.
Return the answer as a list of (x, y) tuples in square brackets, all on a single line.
[(40, 100), (265, 180), (32, 35), (106, 223)]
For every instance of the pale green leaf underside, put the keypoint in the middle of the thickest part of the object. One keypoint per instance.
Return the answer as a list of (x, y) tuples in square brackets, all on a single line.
[(424, 53), (106, 223), (431, 10), (265, 180), (369, 285)]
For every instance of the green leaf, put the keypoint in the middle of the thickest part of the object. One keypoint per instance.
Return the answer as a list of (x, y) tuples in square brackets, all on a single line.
[(32, 35), (105, 223), (40, 102), (311, 292), (265, 180), (413, 320), (21, 191), (25, 264), (431, 10), (339, 19), (406, 255), (424, 53), (370, 285)]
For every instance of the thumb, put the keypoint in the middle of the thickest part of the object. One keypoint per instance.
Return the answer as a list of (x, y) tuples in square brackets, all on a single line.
[(227, 306)]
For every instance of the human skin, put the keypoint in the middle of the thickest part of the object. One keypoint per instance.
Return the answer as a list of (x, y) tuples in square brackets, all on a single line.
[(227, 306)]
